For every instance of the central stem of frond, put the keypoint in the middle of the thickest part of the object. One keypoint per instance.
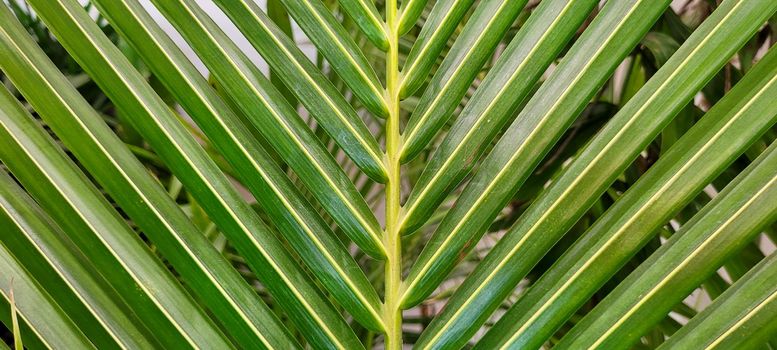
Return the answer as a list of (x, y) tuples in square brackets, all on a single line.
[(392, 312)]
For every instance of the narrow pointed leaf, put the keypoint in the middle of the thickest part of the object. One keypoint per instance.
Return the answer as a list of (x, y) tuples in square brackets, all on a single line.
[(181, 152), (279, 124), (81, 292), (211, 276), (16, 328), (303, 227), (336, 44), (281, 18), (609, 153), (45, 323), (445, 18), (552, 109), (311, 87), (512, 78), (741, 318), (473, 47), (670, 184), (643, 299), (100, 232), (366, 16), (410, 12)]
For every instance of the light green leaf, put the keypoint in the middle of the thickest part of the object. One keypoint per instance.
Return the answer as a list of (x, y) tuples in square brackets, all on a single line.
[(410, 11), (724, 227), (312, 88), (635, 80), (289, 210), (300, 148), (649, 203), (741, 318), (181, 152), (75, 286), (475, 45), (368, 19), (552, 109), (45, 324), (494, 103), (342, 53), (445, 18), (278, 123), (17, 332), (281, 18), (152, 151), (232, 300), (99, 231), (586, 178)]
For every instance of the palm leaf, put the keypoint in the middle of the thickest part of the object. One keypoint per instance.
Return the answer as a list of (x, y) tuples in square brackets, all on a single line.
[(742, 317), (54, 181), (580, 179), (727, 223), (411, 10), (23, 301), (79, 291), (442, 174), (312, 88), (343, 54), (308, 233), (178, 148), (368, 19), (536, 128), (527, 57), (277, 122), (622, 221), (473, 46), (129, 183)]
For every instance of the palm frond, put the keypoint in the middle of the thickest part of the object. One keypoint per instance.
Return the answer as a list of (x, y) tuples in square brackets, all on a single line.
[(349, 174)]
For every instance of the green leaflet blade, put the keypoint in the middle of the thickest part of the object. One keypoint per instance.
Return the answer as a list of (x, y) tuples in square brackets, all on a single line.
[(83, 131), (282, 126), (445, 18), (541, 123), (469, 53), (410, 11), (341, 52), (701, 246), (741, 318), (550, 216), (703, 153), (551, 25), (311, 87), (303, 227), (45, 325), (281, 18), (366, 16), (182, 153), (74, 284), (90, 221)]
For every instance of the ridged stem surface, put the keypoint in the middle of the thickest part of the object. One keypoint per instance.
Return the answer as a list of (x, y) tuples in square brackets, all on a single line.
[(392, 312)]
